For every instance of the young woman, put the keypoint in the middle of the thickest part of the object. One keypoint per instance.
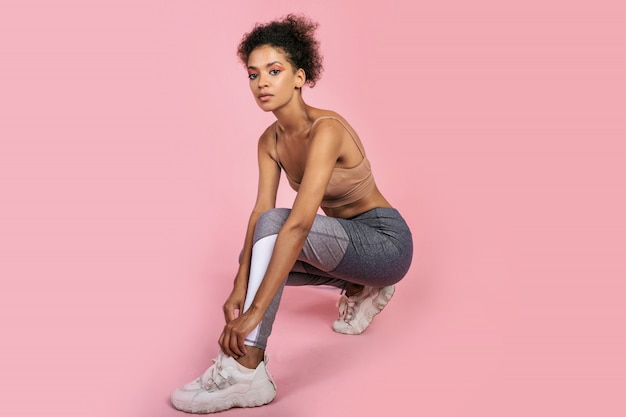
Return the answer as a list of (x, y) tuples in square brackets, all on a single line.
[(362, 245)]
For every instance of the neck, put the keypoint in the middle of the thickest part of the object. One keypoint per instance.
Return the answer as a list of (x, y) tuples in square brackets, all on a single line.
[(293, 118)]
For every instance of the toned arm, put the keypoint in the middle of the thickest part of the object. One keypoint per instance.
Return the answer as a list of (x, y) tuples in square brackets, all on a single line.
[(269, 177), (323, 151)]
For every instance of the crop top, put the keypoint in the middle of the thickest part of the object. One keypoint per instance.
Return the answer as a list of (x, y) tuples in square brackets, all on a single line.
[(346, 185)]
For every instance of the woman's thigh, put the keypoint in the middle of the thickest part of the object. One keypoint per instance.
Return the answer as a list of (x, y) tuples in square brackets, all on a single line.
[(374, 248)]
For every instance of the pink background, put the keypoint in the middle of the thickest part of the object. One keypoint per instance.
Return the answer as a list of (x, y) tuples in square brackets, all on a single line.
[(127, 172)]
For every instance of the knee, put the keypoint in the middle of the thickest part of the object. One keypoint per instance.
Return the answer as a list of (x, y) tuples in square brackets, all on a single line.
[(270, 222)]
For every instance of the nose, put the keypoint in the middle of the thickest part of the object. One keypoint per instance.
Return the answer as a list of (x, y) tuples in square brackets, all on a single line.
[(263, 80)]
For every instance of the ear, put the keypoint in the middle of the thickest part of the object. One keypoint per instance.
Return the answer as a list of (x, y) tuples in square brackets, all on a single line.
[(300, 78)]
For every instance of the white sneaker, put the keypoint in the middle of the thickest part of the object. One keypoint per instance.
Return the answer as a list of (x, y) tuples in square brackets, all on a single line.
[(226, 384), (357, 312)]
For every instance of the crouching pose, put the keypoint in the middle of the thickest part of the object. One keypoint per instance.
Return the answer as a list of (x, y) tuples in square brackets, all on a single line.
[(361, 245)]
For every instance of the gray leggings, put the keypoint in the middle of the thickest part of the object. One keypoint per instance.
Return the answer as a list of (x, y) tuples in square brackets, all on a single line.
[(373, 249)]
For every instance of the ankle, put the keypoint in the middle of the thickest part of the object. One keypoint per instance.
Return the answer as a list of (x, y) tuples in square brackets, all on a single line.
[(252, 358)]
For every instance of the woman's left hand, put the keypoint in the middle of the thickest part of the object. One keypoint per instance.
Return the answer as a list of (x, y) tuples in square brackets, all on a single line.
[(234, 334)]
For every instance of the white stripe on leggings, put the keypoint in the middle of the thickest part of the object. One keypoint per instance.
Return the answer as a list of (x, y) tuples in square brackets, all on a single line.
[(261, 255)]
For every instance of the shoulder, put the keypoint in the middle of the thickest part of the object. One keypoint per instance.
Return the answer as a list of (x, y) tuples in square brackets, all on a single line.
[(268, 136), (325, 132), (325, 118), (268, 133), (331, 123), (267, 141)]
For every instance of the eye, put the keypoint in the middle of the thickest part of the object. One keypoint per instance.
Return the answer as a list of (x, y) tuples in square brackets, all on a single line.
[(274, 71), (253, 76)]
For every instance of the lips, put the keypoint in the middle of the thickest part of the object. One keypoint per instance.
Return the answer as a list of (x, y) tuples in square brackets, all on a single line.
[(264, 96)]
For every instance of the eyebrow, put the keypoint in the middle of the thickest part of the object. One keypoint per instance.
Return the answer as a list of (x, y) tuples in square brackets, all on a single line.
[(268, 65)]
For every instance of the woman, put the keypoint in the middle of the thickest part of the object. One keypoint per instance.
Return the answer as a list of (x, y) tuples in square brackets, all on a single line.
[(362, 245)]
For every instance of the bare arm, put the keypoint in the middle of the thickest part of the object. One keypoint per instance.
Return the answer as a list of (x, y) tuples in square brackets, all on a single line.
[(324, 150), (269, 177)]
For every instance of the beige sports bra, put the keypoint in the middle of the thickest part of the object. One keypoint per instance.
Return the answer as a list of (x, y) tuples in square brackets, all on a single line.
[(346, 185)]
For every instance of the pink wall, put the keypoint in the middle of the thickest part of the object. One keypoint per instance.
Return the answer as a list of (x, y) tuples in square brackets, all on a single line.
[(127, 172)]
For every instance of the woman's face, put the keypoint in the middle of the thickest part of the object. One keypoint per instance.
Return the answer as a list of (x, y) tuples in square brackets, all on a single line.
[(273, 81)]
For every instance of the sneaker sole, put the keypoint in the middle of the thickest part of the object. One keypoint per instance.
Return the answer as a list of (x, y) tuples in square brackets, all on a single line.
[(251, 398)]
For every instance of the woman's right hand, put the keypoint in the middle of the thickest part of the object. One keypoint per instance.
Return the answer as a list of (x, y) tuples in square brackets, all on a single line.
[(233, 307)]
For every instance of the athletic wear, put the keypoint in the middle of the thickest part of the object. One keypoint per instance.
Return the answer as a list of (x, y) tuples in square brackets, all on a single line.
[(346, 185), (357, 311), (226, 384), (373, 249)]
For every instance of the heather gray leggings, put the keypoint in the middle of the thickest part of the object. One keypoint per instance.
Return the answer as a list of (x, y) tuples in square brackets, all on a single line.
[(373, 249)]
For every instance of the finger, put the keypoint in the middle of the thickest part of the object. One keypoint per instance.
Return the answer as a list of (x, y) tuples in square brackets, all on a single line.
[(242, 345), (226, 345), (235, 344), (223, 342)]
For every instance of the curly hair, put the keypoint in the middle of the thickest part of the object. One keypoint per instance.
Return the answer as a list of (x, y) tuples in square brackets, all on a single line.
[(293, 35)]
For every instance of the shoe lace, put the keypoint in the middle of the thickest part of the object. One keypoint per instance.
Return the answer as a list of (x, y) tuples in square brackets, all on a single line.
[(346, 308), (216, 377)]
